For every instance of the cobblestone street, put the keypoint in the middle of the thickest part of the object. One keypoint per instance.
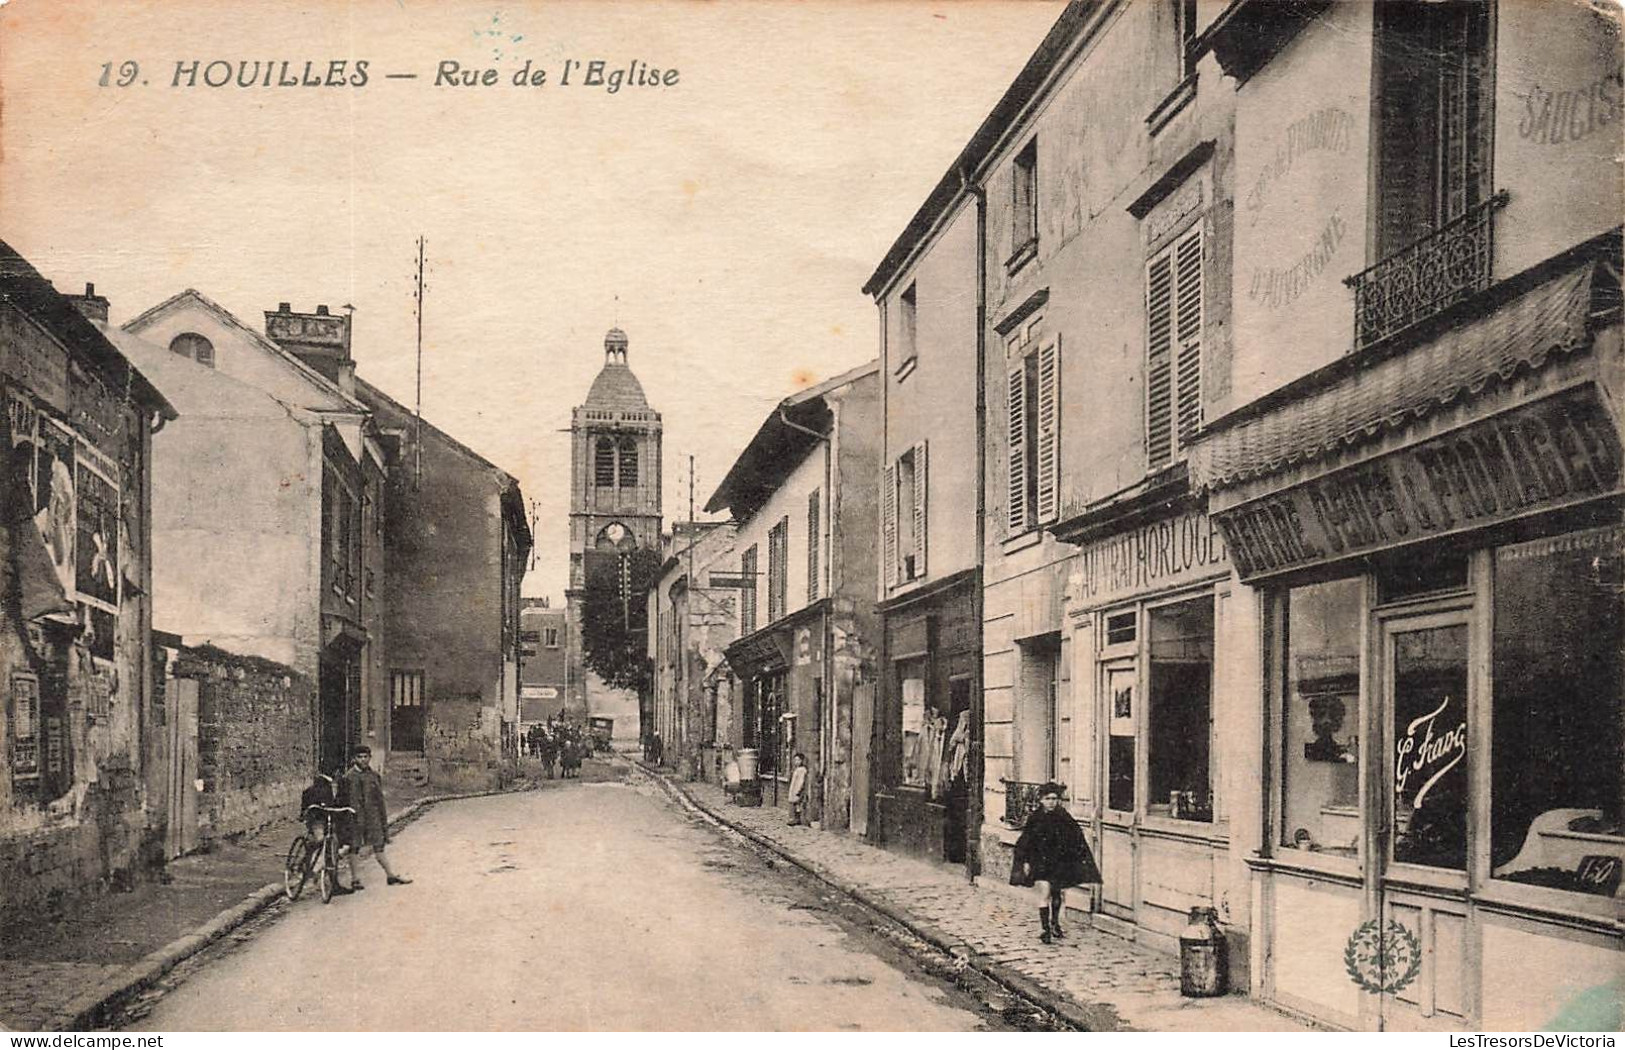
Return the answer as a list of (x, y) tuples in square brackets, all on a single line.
[(1111, 981)]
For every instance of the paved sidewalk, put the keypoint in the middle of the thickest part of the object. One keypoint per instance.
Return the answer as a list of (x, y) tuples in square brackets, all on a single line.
[(56, 971), (1093, 979)]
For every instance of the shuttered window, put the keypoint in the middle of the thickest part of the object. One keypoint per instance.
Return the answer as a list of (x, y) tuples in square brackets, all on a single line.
[(747, 592), (1033, 422), (916, 567), (814, 538), (1173, 410), (1047, 432), (778, 551), (888, 524), (1016, 419)]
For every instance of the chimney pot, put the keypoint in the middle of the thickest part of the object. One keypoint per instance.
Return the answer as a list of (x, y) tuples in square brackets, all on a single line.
[(90, 289), (284, 308), (321, 311)]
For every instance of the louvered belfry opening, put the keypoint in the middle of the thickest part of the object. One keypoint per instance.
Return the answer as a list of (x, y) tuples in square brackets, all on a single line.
[(1173, 348)]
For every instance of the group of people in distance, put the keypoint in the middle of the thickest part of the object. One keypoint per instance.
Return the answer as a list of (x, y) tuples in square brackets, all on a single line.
[(559, 742), (359, 789)]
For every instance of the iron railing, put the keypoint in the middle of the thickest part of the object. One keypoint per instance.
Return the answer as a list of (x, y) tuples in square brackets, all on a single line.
[(1020, 800), (1425, 277)]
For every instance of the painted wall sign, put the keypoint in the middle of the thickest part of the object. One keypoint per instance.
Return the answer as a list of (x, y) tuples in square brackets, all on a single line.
[(1162, 553), (305, 328), (1537, 457), (39, 364)]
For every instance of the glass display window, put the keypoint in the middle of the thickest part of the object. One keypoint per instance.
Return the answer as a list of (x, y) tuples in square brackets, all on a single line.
[(1320, 718), (1557, 794), (1179, 726)]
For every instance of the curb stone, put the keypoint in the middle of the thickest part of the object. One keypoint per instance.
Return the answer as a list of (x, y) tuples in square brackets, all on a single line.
[(88, 1009), (1084, 1017)]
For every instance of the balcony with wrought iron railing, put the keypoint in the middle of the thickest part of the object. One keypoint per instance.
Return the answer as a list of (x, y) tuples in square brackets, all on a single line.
[(1020, 800), (1426, 277)]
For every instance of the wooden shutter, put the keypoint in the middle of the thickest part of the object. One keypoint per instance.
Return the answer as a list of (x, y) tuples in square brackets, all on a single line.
[(1017, 430), (888, 524), (919, 509), (814, 539), (1048, 431), (1159, 303), (1188, 333)]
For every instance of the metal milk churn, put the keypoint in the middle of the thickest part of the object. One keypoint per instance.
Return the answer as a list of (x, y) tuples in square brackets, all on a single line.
[(1201, 955)]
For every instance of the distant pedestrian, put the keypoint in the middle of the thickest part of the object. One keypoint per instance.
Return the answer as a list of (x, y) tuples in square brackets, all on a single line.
[(364, 791), (1051, 855), (798, 788)]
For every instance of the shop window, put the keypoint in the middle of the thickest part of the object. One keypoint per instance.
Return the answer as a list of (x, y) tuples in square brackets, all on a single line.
[(1035, 722), (919, 723), (1429, 672), (1556, 759), (1320, 718), (769, 734), (1123, 700), (1181, 708)]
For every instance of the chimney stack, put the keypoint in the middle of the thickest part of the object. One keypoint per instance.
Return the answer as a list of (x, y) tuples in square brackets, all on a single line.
[(321, 340), (90, 304)]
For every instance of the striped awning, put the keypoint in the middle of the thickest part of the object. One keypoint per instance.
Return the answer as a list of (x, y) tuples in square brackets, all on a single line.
[(1363, 405)]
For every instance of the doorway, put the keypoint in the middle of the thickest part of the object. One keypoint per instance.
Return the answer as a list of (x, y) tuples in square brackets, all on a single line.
[(1424, 834)]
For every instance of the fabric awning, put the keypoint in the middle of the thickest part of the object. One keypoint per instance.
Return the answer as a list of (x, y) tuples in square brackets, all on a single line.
[(1361, 406)]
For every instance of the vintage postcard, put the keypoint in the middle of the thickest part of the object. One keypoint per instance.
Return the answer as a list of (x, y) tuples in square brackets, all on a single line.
[(736, 516)]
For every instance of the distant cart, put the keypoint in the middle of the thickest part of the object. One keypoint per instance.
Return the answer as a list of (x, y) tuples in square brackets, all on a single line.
[(600, 731)]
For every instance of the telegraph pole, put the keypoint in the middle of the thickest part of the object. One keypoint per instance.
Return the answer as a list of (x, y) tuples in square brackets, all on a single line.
[(417, 455)]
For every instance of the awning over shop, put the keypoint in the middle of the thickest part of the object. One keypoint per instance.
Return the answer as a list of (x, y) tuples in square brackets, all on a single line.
[(759, 653), (1362, 404)]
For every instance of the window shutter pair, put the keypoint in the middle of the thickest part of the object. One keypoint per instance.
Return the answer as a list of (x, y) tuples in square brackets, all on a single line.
[(1034, 419), (1173, 348)]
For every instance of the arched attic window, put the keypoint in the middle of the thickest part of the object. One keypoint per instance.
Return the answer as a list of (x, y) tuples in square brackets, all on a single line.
[(603, 467), (194, 346), (629, 462)]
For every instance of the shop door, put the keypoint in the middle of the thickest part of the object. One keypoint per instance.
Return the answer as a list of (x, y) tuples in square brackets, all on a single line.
[(1420, 976), (1121, 689)]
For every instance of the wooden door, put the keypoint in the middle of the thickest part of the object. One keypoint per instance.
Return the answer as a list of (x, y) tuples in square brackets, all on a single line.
[(181, 837)]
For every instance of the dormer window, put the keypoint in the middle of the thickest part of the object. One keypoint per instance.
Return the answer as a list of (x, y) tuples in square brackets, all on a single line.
[(194, 346)]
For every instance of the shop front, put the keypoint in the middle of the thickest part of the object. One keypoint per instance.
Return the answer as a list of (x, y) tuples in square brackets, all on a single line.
[(780, 706), (1436, 545), (1149, 616), (928, 720)]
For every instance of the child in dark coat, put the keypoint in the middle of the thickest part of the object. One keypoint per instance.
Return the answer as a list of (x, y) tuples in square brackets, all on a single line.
[(1050, 856)]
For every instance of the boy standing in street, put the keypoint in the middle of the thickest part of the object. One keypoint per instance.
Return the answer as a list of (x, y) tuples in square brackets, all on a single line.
[(364, 791), (798, 787)]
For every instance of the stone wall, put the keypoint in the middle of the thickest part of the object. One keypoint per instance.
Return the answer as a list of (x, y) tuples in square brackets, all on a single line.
[(256, 739), (460, 744)]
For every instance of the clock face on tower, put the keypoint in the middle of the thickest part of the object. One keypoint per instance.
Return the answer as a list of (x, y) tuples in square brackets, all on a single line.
[(615, 537)]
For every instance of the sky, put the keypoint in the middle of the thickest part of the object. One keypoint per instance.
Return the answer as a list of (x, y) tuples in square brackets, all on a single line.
[(726, 220)]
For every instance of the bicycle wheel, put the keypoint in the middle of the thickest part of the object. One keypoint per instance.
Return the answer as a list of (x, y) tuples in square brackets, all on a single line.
[(296, 870), (327, 880)]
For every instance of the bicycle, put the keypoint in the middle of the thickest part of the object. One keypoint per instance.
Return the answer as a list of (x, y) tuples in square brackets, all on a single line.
[(305, 853)]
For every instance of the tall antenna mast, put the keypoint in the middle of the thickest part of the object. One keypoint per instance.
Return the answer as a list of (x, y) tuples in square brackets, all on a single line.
[(417, 442)]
